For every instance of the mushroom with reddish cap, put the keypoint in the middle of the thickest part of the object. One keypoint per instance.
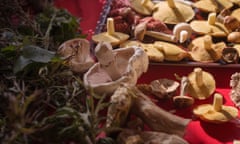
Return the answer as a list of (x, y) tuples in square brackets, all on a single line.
[(77, 54), (115, 67), (216, 112), (201, 84), (181, 33)]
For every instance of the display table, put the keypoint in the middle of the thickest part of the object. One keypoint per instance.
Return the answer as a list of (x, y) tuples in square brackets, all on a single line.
[(198, 132)]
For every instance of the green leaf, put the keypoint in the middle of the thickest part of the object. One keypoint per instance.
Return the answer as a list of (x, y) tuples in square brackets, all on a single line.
[(20, 64), (37, 54)]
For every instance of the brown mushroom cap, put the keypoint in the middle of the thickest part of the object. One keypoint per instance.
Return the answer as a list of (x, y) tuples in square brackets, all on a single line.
[(216, 112), (201, 84), (202, 49), (183, 101), (230, 55), (181, 12)]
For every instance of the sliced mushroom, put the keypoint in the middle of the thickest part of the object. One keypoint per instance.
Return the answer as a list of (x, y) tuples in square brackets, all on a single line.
[(216, 112), (173, 12), (143, 7), (202, 49), (111, 36), (77, 53), (130, 62), (211, 27), (171, 52), (164, 88), (201, 84), (183, 101), (181, 33)]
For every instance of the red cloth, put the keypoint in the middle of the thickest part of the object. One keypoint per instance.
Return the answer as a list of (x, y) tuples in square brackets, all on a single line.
[(197, 132)]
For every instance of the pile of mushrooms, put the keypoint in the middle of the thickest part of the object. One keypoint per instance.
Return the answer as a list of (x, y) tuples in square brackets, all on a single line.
[(115, 67)]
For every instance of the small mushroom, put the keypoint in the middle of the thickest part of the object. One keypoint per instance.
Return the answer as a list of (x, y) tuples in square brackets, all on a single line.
[(181, 33), (164, 88), (171, 52), (230, 55), (201, 84), (234, 37), (211, 27), (202, 49), (111, 36), (77, 53), (173, 12), (143, 7), (216, 112), (213, 6), (183, 101)]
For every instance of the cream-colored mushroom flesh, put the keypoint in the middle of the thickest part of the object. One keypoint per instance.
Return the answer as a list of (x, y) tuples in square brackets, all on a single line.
[(144, 7), (216, 112), (213, 6), (172, 15), (201, 84)]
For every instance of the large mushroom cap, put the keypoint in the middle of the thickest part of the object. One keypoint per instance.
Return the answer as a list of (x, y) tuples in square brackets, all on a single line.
[(77, 53), (216, 112), (130, 62), (201, 84), (213, 6), (177, 13)]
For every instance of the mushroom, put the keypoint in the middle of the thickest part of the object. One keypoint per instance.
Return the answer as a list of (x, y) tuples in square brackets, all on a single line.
[(111, 36), (181, 33), (77, 54), (143, 7), (213, 6), (153, 53), (164, 88), (231, 23), (234, 37), (211, 27), (202, 49), (201, 84), (235, 13), (230, 55), (171, 12), (216, 112), (115, 67), (171, 52), (235, 89), (182, 100)]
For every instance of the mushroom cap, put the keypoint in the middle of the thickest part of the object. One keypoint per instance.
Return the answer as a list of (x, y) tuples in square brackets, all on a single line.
[(164, 88), (182, 13), (131, 62), (171, 51), (202, 27), (230, 55), (115, 39), (77, 53), (141, 8), (235, 13), (200, 54), (234, 37), (204, 91), (207, 113), (183, 101), (212, 6)]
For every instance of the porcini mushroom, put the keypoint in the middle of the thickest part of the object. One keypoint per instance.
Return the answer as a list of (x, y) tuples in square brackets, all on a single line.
[(115, 67), (182, 100), (111, 36), (77, 54), (216, 112), (202, 49), (171, 52), (201, 84), (173, 12), (143, 7), (213, 6), (211, 27)]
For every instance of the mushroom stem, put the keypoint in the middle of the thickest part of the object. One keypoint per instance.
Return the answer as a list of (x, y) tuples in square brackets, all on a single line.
[(171, 3), (107, 60), (183, 36), (199, 76), (217, 102), (110, 26), (183, 86), (160, 36), (211, 18), (208, 47)]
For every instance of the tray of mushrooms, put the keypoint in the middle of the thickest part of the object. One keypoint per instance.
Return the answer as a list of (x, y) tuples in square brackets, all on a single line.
[(174, 32)]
